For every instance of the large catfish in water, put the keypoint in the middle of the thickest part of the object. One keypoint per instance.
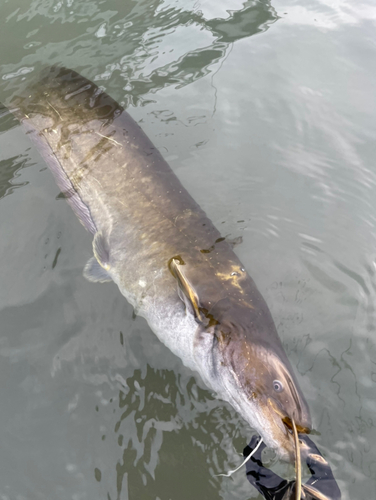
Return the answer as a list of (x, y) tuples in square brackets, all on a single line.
[(169, 261)]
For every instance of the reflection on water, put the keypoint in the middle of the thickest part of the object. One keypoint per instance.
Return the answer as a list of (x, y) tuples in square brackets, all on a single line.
[(150, 44), (8, 174), (160, 420), (160, 35)]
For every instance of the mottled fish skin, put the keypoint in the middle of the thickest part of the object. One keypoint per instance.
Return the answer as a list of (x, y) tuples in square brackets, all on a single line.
[(158, 245)]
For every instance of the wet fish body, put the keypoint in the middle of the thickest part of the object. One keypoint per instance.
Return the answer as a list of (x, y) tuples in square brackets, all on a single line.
[(167, 258)]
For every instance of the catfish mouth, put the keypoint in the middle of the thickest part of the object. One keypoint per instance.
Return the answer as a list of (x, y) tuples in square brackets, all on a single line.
[(301, 430), (287, 422)]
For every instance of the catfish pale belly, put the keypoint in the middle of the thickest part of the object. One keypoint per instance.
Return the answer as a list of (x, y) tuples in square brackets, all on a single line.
[(169, 261)]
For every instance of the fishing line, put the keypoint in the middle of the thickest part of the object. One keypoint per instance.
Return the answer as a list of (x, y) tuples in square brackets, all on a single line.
[(231, 472), (298, 466)]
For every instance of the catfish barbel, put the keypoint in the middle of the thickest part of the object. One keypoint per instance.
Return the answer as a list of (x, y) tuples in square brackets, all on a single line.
[(167, 258)]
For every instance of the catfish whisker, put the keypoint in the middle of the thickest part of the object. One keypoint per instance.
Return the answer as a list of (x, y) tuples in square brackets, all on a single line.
[(231, 472)]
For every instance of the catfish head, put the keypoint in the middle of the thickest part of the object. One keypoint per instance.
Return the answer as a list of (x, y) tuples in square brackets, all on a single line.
[(257, 375), (240, 355)]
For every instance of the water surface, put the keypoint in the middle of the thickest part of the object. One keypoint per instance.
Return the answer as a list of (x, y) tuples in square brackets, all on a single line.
[(266, 112)]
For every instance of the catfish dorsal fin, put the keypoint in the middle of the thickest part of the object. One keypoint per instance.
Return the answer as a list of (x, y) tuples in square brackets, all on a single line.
[(186, 291)]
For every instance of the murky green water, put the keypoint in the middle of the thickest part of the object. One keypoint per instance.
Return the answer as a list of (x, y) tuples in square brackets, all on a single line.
[(266, 111)]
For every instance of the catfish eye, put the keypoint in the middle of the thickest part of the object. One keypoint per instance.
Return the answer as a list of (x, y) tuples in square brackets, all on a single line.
[(277, 386)]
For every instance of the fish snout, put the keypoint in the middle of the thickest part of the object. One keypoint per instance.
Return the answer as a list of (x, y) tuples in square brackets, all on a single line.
[(302, 419), (292, 407), (300, 414), (290, 428)]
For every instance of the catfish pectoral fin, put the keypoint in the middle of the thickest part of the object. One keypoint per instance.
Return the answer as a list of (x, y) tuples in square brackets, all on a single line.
[(100, 249), (186, 291), (93, 271)]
